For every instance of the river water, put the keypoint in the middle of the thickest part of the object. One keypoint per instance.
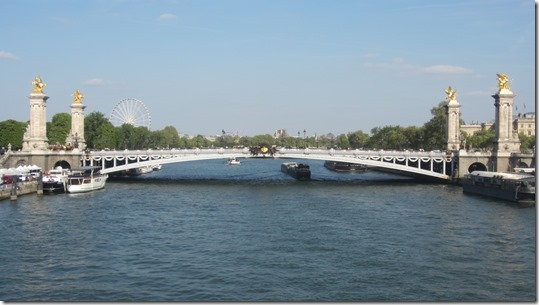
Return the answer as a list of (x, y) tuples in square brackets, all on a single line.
[(206, 231)]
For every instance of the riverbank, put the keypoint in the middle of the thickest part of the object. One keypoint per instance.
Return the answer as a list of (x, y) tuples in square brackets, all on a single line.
[(23, 188)]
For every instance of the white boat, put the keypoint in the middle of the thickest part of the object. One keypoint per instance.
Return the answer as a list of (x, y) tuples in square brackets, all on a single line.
[(233, 161), (146, 169), (86, 179), (55, 180), (515, 187)]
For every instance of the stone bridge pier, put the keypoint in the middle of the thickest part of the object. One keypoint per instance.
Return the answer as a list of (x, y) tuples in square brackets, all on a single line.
[(490, 161)]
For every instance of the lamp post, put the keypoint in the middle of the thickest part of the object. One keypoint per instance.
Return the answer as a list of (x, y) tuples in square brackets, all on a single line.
[(76, 138), (297, 141), (304, 138)]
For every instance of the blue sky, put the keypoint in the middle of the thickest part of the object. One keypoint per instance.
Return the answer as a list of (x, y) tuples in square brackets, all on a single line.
[(253, 66)]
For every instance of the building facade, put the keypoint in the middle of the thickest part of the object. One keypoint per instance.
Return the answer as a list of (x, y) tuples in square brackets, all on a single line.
[(525, 124)]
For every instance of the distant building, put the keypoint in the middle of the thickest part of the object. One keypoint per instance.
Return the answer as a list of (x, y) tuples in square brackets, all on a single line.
[(280, 134), (470, 129), (525, 123)]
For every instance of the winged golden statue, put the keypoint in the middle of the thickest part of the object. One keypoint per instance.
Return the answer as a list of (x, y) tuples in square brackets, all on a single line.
[(38, 85), (502, 81), (451, 94), (77, 97)]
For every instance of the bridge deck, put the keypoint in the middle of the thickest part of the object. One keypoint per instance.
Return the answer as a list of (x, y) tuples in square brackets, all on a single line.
[(432, 165)]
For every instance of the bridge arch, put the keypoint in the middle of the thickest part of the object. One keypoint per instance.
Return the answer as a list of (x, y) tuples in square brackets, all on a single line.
[(477, 166), (62, 163), (522, 164), (20, 162)]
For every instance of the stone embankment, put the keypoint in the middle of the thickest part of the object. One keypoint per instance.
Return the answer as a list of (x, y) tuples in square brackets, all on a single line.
[(23, 188)]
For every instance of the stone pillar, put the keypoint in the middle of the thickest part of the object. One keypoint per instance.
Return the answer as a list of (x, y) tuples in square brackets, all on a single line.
[(453, 125), (506, 140), (35, 137), (76, 137)]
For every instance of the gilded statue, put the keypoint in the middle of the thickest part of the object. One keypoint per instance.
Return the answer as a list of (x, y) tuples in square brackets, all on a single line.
[(451, 94), (77, 97), (502, 81), (38, 85)]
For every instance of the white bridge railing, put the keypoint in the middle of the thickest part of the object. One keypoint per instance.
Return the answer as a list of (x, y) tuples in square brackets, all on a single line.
[(434, 164)]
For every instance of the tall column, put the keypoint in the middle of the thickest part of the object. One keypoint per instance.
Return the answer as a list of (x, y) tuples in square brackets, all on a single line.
[(506, 140), (453, 120), (35, 137), (76, 136)]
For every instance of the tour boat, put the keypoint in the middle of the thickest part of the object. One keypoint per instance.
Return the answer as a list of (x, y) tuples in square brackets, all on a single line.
[(298, 171), (86, 179), (514, 187), (55, 180), (233, 161)]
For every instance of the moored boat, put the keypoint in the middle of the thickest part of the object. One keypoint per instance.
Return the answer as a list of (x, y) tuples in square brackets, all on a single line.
[(55, 180), (345, 167), (86, 179), (514, 187), (299, 171)]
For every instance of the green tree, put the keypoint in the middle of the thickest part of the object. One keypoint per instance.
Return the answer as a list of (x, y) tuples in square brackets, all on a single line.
[(172, 138), (358, 139), (342, 141), (199, 141), (483, 139), (245, 141), (526, 142), (388, 137), (226, 141), (99, 132), (157, 139), (12, 132), (327, 140), (265, 139), (59, 128), (140, 138), (415, 137), (125, 136), (288, 141), (435, 130)]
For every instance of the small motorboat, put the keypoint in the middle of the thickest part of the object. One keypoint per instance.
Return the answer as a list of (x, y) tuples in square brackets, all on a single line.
[(55, 180), (233, 161)]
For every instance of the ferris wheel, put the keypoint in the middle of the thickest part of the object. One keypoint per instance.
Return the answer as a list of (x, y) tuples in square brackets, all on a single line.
[(131, 111)]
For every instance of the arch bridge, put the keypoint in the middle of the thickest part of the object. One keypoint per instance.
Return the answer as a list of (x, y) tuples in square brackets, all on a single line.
[(434, 165)]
